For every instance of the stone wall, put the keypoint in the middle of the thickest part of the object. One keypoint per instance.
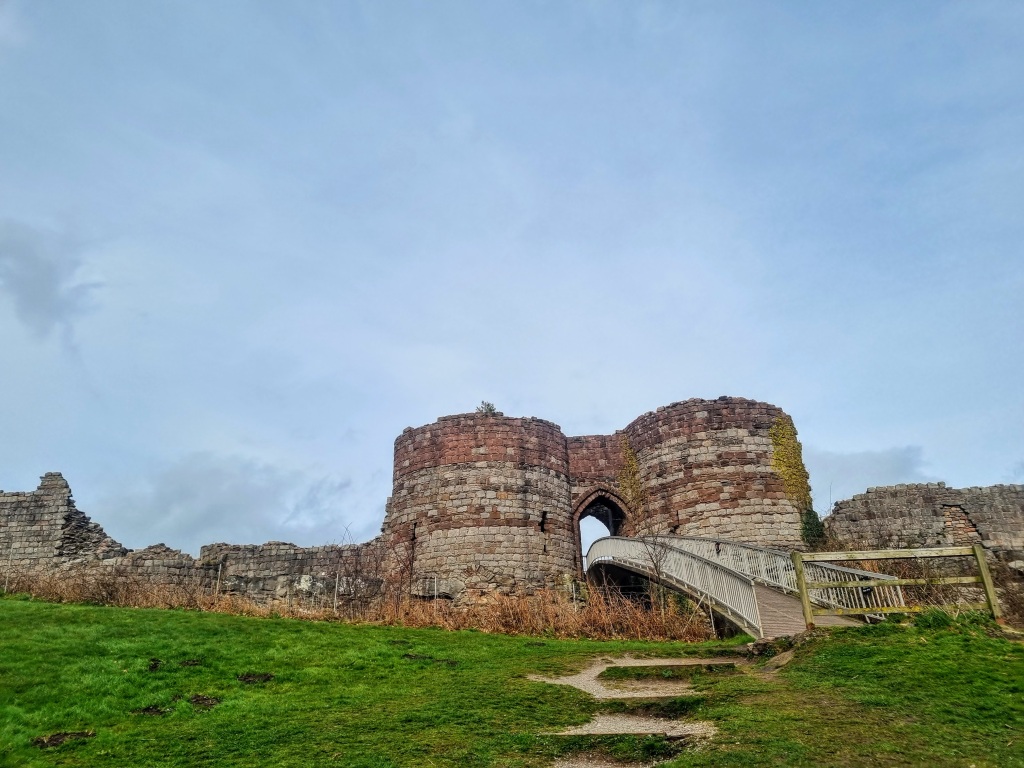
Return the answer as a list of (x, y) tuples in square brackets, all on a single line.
[(42, 530), (594, 460), (932, 515), (480, 503), (43, 526), (279, 570)]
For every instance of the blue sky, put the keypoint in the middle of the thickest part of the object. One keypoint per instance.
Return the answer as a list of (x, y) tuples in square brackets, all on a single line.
[(243, 245)]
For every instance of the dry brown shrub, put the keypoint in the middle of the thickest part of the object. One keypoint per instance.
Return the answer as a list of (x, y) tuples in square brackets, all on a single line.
[(553, 613), (550, 613), (1009, 584)]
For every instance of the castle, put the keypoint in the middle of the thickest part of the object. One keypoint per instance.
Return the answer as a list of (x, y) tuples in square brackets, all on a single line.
[(484, 503)]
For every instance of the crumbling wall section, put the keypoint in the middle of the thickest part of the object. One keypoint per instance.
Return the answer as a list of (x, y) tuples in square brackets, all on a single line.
[(43, 528), (279, 570), (931, 515)]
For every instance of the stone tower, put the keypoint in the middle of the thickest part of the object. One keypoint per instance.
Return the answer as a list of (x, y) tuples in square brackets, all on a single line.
[(485, 503)]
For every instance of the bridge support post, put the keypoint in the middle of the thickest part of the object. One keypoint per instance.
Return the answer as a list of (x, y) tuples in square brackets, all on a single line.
[(801, 583)]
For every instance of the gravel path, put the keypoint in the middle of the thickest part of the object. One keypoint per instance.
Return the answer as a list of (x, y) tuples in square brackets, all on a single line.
[(588, 682), (632, 725), (588, 760), (609, 725)]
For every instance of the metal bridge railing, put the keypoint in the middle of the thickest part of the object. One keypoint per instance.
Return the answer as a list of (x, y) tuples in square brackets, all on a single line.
[(731, 592), (774, 568)]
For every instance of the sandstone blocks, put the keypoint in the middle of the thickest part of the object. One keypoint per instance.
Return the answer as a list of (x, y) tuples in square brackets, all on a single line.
[(932, 515), (485, 502)]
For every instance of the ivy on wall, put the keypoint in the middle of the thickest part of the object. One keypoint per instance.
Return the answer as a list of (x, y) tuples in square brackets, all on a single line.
[(788, 463), (631, 486)]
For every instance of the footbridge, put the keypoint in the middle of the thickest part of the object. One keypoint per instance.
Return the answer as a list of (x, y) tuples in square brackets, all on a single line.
[(753, 587)]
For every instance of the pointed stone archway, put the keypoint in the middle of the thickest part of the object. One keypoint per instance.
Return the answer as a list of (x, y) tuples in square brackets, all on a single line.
[(607, 506)]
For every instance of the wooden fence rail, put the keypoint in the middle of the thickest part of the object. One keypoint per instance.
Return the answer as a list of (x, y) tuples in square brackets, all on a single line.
[(810, 611)]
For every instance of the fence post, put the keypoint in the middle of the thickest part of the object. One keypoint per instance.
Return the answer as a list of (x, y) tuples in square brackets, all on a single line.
[(801, 584), (990, 588), (216, 592), (337, 581)]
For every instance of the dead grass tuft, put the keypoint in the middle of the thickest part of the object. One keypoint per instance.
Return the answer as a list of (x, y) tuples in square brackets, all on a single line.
[(549, 612)]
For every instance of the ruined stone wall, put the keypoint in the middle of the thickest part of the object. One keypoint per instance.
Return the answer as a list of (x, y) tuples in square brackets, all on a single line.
[(281, 570), (264, 572), (931, 515), (480, 503), (41, 528), (707, 468)]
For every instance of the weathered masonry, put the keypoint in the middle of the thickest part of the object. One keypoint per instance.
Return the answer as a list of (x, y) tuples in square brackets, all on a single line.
[(43, 530), (484, 503), (487, 503), (932, 515)]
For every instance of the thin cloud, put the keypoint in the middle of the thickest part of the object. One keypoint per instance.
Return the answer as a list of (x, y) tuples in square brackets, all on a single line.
[(203, 498), (39, 276), (836, 476)]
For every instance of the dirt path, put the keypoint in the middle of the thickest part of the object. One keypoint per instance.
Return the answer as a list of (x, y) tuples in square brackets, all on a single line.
[(588, 682)]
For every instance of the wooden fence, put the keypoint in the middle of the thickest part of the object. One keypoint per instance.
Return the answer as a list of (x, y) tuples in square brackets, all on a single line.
[(810, 611)]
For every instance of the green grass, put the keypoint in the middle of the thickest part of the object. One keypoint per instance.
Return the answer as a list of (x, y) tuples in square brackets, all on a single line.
[(881, 695), (377, 697), (341, 695)]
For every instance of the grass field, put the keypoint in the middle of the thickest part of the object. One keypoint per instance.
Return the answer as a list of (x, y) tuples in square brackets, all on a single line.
[(375, 696)]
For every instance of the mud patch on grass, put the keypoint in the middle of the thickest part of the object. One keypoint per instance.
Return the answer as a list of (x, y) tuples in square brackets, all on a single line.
[(155, 664), (152, 710), (250, 678), (56, 739), (682, 671), (190, 662), (421, 657), (204, 702), (628, 685)]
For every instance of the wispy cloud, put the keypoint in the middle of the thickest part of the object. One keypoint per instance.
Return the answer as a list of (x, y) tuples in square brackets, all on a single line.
[(204, 498), (39, 275)]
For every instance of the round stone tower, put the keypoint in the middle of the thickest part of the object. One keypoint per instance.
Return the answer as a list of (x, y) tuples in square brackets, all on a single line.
[(481, 503), (712, 468)]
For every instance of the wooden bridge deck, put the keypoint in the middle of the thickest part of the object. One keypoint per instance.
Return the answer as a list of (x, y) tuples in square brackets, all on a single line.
[(781, 614)]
